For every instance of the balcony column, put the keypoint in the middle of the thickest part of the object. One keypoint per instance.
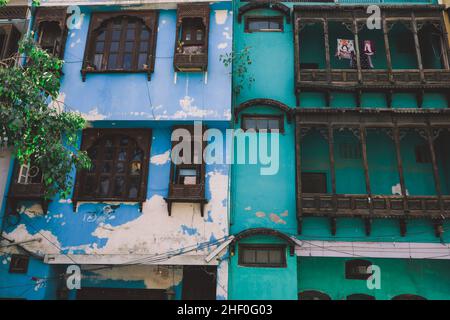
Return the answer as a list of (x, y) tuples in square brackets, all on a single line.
[(327, 49), (298, 175), (358, 58), (387, 46), (437, 180), (332, 163), (444, 44), (363, 138), (417, 45), (396, 136)]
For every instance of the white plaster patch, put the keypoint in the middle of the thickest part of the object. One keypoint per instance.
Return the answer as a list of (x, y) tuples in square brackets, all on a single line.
[(160, 159), (58, 103), (48, 242), (397, 190), (33, 211), (188, 109), (222, 45), (285, 213), (248, 208), (93, 115), (221, 16), (226, 35)]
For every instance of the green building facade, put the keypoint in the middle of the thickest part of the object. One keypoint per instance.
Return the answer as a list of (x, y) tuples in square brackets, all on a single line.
[(359, 96)]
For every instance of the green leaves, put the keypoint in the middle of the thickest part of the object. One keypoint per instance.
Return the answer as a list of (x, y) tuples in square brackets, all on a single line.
[(240, 62), (32, 127)]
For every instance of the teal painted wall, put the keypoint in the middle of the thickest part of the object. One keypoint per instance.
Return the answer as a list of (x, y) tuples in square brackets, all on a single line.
[(262, 283), (427, 278)]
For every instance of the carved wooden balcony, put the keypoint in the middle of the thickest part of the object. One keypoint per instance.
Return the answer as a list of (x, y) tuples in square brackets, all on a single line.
[(379, 206), (27, 192), (184, 193), (190, 62)]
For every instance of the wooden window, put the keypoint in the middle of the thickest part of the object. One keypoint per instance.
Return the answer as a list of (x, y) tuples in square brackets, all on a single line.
[(19, 263), (119, 165), (191, 41), (273, 256), (349, 151), (50, 26), (259, 122), (121, 42), (357, 269), (360, 296), (313, 182), (422, 154), (193, 32), (29, 174), (9, 40), (313, 295), (264, 24)]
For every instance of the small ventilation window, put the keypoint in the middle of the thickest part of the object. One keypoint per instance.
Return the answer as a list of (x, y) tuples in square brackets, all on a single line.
[(349, 151), (262, 123), (422, 154), (264, 24), (19, 263), (262, 255), (313, 182), (357, 269)]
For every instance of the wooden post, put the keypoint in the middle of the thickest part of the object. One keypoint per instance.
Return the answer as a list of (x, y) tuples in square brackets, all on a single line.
[(332, 163), (396, 135), (362, 137), (327, 49), (437, 180), (298, 175), (417, 45), (358, 58), (387, 47), (444, 44)]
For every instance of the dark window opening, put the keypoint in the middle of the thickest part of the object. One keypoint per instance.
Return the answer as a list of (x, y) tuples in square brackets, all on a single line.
[(121, 43), (313, 182), (313, 295), (349, 151), (357, 269), (19, 263), (121, 294), (422, 154), (49, 37), (262, 255), (192, 35), (264, 24), (263, 123), (360, 296), (309, 65), (9, 41), (119, 165), (199, 283), (187, 175)]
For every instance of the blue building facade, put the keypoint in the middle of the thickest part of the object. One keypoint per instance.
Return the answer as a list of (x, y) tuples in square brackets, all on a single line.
[(137, 225)]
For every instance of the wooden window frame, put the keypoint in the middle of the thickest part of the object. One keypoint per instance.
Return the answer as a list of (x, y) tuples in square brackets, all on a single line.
[(325, 174), (56, 15), (279, 118), (186, 26), (351, 274), (142, 138), (22, 269), (187, 61), (279, 19), (281, 247), (99, 20)]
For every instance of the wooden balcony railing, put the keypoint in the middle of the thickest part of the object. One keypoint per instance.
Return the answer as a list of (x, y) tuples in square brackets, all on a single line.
[(376, 206), (188, 194)]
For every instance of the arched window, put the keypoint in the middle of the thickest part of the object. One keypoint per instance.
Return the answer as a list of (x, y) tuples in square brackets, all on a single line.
[(360, 296), (119, 165), (408, 297), (121, 42), (313, 295)]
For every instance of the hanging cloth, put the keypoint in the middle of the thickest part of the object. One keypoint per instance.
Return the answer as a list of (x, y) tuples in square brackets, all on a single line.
[(345, 49)]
